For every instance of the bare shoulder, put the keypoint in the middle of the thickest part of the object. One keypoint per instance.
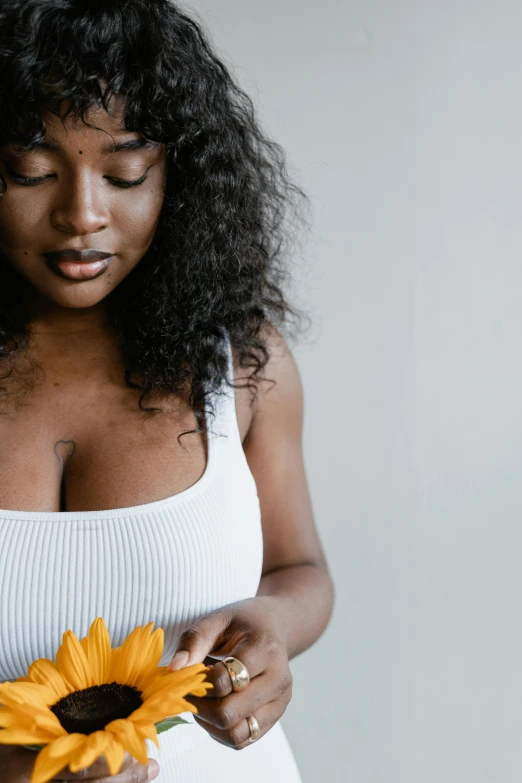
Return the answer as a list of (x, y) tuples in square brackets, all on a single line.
[(279, 384), (273, 448)]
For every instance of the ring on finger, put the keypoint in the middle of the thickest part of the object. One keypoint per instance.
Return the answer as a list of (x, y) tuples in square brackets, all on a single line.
[(253, 726), (238, 673)]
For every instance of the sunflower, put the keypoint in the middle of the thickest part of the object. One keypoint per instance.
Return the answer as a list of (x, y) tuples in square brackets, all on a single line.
[(96, 701)]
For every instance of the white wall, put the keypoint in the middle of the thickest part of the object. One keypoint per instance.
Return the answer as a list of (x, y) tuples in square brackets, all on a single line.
[(403, 121)]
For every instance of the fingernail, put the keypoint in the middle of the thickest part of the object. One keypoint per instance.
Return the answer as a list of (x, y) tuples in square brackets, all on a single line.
[(179, 660), (153, 770)]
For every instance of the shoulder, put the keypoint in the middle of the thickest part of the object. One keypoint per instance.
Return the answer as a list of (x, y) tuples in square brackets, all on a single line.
[(273, 448), (279, 392)]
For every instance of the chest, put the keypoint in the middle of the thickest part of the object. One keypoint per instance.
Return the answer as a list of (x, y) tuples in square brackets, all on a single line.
[(85, 446)]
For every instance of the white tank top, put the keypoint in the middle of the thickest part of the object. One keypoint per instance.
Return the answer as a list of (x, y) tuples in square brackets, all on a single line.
[(171, 561)]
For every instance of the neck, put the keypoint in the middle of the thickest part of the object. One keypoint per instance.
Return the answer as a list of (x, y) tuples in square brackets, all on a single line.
[(48, 318)]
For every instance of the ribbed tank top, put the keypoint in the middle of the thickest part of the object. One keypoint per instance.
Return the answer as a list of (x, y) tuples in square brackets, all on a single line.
[(171, 561)]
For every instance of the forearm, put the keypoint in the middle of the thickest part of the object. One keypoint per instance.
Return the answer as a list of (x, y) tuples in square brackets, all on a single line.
[(302, 598)]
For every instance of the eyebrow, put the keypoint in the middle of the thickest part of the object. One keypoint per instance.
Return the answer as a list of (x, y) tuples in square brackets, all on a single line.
[(131, 144)]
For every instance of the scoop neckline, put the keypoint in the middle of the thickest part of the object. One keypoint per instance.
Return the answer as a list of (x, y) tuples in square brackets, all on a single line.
[(127, 511)]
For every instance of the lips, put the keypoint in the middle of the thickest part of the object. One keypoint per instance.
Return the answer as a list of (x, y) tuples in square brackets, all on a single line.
[(77, 256), (72, 264)]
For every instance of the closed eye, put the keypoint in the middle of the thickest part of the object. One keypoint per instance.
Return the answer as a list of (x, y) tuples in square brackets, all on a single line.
[(24, 180), (119, 183), (127, 183)]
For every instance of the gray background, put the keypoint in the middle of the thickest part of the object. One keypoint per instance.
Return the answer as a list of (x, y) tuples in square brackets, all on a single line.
[(403, 122)]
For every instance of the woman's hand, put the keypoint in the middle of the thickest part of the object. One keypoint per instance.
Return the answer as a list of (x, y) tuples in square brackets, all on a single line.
[(16, 766), (247, 630), (131, 772)]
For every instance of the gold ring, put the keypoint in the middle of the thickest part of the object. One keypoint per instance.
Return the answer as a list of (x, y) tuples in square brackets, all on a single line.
[(255, 731), (238, 673)]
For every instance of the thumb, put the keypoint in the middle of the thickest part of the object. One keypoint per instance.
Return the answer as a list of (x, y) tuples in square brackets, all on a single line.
[(200, 640)]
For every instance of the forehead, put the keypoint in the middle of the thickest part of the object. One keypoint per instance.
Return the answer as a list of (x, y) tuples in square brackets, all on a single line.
[(97, 127), (62, 118), (98, 133)]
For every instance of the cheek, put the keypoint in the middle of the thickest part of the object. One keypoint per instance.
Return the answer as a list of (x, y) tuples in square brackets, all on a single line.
[(135, 214), (21, 221), (135, 221)]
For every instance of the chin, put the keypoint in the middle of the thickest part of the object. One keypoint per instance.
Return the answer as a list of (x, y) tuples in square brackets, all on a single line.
[(74, 295)]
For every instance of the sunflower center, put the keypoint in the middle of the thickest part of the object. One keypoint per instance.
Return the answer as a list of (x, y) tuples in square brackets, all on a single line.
[(91, 709)]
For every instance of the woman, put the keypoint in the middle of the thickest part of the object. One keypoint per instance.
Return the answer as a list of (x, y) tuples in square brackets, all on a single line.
[(141, 236)]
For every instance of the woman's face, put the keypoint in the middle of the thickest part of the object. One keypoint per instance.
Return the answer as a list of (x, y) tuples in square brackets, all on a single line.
[(72, 193)]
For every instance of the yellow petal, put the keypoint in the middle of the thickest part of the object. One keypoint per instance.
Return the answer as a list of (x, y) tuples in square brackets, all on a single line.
[(153, 711), (21, 716), (8, 718), (114, 753), (125, 733), (60, 665), (146, 679), (152, 652), (180, 682), (164, 698), (26, 693), (44, 672), (148, 731), (99, 651), (49, 723), (93, 748), (66, 745), (47, 766), (73, 664), (166, 692), (24, 737), (201, 691), (85, 645), (202, 686), (131, 657), (114, 665)]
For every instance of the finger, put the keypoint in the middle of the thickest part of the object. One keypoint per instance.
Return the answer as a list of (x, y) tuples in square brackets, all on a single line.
[(134, 774), (238, 736), (99, 769), (219, 676), (200, 639), (230, 710)]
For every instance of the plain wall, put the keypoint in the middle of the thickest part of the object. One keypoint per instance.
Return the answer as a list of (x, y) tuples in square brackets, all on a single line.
[(403, 121)]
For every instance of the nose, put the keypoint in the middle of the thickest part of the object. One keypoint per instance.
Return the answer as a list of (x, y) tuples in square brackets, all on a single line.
[(81, 206)]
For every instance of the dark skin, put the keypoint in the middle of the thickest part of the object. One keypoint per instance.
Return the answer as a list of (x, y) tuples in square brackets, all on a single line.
[(55, 438)]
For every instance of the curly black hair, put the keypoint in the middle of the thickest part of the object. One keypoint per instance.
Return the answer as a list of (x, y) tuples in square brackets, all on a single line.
[(217, 260)]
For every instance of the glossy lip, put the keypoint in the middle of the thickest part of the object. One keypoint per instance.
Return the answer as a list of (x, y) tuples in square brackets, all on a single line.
[(80, 256), (81, 260)]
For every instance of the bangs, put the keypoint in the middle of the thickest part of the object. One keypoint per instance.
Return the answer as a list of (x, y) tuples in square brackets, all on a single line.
[(30, 127), (68, 59)]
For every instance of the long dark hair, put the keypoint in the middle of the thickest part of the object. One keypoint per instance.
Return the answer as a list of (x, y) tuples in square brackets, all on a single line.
[(218, 258)]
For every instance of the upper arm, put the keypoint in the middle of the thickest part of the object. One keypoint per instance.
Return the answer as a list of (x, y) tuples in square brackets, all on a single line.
[(274, 452)]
